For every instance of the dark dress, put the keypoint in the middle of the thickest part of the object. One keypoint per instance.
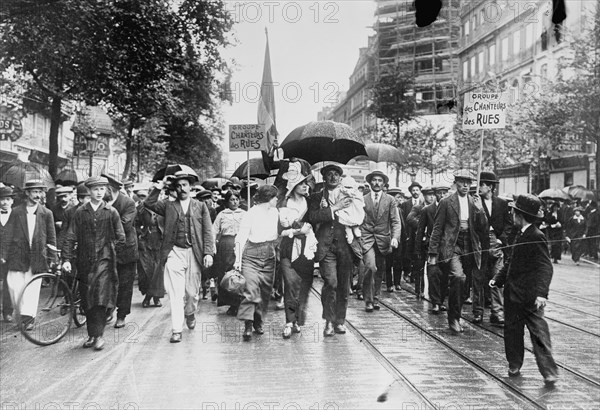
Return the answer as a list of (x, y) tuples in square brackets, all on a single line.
[(225, 257), (575, 230), (555, 235), (149, 226)]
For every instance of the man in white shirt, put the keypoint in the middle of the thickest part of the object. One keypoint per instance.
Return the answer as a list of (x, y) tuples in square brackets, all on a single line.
[(188, 242), (6, 202)]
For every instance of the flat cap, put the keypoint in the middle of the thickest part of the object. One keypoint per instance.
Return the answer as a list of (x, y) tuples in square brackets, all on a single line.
[(464, 174), (95, 181)]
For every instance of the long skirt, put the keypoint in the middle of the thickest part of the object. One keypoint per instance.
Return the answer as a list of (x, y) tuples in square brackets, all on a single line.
[(577, 246), (146, 267), (224, 261), (258, 268), (298, 279)]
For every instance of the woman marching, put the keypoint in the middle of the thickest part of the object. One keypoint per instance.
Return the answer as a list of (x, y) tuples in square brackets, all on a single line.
[(297, 249), (575, 231), (225, 228), (554, 232), (255, 256)]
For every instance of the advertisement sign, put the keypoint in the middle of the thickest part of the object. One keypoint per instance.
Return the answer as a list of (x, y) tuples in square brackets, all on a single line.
[(11, 127)]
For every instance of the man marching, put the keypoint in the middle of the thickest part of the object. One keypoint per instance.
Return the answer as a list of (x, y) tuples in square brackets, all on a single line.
[(380, 234), (188, 241)]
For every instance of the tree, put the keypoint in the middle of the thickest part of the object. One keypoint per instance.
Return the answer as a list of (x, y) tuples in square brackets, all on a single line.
[(428, 147)]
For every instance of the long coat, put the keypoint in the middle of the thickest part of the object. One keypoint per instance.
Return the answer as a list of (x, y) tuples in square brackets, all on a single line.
[(528, 272), (381, 224), (425, 227), (20, 255), (447, 225), (125, 206), (98, 235), (202, 237)]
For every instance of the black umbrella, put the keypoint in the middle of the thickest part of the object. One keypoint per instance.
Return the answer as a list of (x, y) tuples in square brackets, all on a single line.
[(67, 177), (257, 169), (18, 172), (323, 141)]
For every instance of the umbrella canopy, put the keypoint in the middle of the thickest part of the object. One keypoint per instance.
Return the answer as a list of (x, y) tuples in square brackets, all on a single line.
[(257, 169), (214, 182), (323, 141), (16, 173), (67, 177), (171, 170), (553, 193), (579, 192), (378, 152)]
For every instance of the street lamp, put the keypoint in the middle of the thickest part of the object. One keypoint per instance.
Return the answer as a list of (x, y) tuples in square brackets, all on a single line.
[(91, 146)]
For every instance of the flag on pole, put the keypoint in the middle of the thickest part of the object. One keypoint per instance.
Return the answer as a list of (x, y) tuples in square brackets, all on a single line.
[(266, 103)]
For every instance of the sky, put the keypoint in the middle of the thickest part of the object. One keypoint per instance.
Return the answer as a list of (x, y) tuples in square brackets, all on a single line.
[(314, 46)]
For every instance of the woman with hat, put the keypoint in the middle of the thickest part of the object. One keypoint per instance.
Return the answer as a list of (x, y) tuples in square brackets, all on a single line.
[(225, 229), (554, 231), (575, 232), (297, 248), (95, 235), (255, 257)]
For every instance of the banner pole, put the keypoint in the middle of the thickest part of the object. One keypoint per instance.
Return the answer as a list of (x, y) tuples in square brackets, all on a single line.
[(248, 182), (480, 162)]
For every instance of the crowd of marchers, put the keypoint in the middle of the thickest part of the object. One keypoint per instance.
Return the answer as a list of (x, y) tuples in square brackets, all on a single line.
[(244, 246)]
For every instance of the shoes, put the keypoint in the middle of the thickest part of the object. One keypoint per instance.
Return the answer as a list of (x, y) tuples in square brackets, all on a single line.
[(204, 292), (328, 331), (190, 321), (443, 308), (157, 302), (398, 288), (287, 331), (120, 323), (359, 296), (469, 301), (99, 343), (341, 329), (247, 331), (390, 289), (550, 381), (514, 372), (89, 343), (175, 337), (477, 319), (146, 302), (497, 320), (576, 263), (258, 329), (369, 307), (436, 309), (455, 327), (376, 305), (280, 305), (296, 328), (232, 311)]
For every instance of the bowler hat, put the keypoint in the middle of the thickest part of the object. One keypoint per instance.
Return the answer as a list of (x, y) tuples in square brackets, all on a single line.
[(6, 192), (377, 173), (95, 181), (487, 176), (82, 190), (414, 184), (427, 190), (332, 167), (464, 174), (35, 184), (65, 190), (112, 181), (528, 204), (437, 188)]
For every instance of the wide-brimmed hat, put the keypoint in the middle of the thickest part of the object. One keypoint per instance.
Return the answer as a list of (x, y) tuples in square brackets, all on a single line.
[(377, 173), (394, 191), (64, 190), (294, 176), (441, 187), (528, 204), (95, 181), (127, 182), (414, 184), (35, 184), (112, 181), (333, 167), (184, 175), (464, 174), (6, 192), (427, 190), (488, 176)]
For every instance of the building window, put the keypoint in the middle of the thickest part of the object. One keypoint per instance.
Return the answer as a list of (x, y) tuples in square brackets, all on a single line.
[(466, 29), (473, 70), (505, 49), (492, 55), (465, 70), (516, 42), (568, 178), (529, 36), (480, 62)]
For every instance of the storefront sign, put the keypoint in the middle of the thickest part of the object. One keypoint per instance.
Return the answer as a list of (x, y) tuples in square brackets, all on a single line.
[(11, 127), (80, 146)]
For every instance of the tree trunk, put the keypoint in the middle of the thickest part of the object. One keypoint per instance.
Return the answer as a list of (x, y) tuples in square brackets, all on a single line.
[(397, 176), (129, 151), (597, 166), (54, 126)]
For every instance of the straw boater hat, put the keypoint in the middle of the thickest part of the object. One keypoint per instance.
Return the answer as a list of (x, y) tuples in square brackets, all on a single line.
[(464, 174), (528, 204), (294, 176), (394, 191), (35, 184), (184, 175), (96, 181), (377, 173), (427, 190), (63, 191)]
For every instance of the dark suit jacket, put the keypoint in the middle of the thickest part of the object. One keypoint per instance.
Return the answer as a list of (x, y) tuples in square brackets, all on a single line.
[(5, 239), (200, 224), (424, 228), (447, 225), (125, 206), (21, 256), (528, 272), (405, 208), (326, 227), (381, 224), (500, 219)]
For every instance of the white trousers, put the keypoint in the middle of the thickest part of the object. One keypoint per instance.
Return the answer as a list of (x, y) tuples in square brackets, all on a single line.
[(182, 283), (16, 281)]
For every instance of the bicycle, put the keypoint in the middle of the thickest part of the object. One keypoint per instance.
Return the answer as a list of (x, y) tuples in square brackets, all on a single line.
[(59, 305)]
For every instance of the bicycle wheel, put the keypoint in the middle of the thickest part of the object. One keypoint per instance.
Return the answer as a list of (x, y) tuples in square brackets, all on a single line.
[(50, 308), (79, 317)]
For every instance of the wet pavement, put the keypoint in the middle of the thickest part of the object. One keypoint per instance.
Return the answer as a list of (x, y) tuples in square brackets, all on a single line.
[(402, 355)]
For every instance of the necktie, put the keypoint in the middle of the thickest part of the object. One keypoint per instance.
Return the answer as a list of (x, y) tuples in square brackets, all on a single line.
[(3, 212), (376, 199)]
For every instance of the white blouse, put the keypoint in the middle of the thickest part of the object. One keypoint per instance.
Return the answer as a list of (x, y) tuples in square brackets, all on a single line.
[(259, 224)]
